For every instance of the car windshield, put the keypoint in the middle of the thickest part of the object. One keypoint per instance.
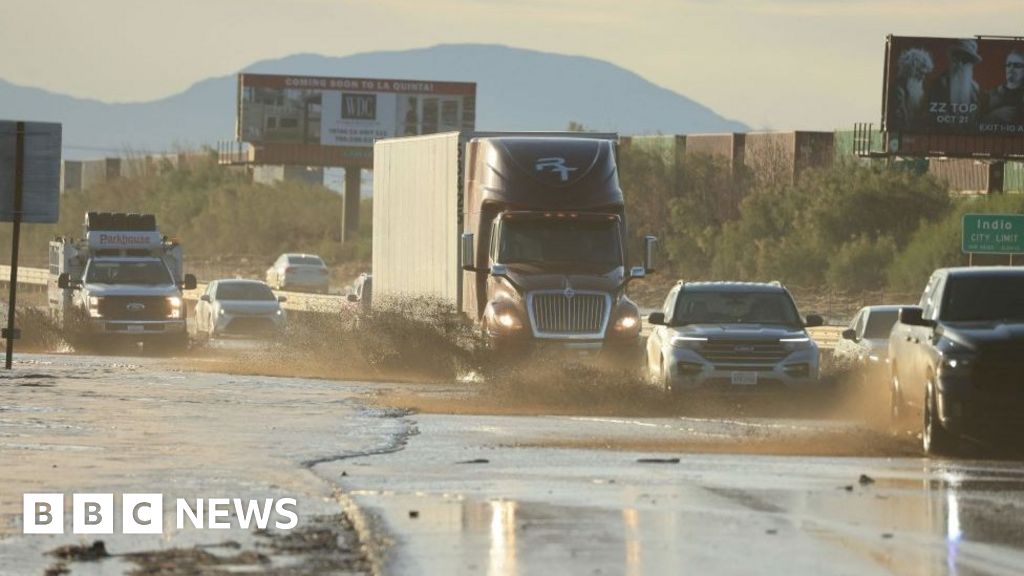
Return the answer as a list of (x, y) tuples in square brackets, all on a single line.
[(305, 261), (116, 272), (244, 291), (736, 308), (880, 324), (560, 240), (984, 298)]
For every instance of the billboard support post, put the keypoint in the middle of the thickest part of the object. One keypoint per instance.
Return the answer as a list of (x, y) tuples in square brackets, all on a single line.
[(19, 178), (350, 215)]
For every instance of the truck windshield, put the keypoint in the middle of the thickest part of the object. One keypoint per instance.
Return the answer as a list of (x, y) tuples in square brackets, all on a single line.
[(735, 308), (114, 272), (984, 298), (561, 240)]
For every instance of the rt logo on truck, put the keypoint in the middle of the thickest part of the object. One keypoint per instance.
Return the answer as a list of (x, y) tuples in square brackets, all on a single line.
[(554, 164)]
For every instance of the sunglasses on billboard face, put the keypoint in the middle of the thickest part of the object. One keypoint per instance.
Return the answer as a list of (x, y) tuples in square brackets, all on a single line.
[(1015, 64)]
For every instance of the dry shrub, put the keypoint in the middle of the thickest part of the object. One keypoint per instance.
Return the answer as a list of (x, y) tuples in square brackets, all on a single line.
[(402, 337), (39, 331)]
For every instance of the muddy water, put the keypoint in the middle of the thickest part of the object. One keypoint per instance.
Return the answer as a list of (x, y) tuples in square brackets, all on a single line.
[(472, 495)]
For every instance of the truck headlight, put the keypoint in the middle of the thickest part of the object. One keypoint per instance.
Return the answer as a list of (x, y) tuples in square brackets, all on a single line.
[(694, 342), (94, 307), (507, 320), (174, 304), (504, 317), (627, 322), (796, 343)]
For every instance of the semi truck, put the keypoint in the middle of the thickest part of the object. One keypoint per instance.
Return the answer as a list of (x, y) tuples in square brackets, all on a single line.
[(122, 282), (525, 233)]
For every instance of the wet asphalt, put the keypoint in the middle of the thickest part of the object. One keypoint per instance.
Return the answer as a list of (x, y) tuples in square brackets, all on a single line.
[(465, 494)]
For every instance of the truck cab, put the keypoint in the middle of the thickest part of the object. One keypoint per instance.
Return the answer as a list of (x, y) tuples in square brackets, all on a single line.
[(547, 252), (525, 233), (122, 281)]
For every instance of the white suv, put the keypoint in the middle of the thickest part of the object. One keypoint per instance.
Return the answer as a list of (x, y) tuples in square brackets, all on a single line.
[(734, 336)]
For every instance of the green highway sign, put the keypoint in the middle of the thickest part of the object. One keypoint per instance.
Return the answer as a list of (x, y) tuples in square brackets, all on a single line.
[(993, 234)]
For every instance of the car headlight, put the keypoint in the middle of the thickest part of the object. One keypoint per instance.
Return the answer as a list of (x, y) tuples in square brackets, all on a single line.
[(796, 343), (957, 364), (627, 322), (94, 307), (279, 312), (174, 304), (694, 342), (220, 312)]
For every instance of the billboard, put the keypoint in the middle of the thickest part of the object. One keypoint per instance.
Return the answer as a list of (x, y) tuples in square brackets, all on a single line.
[(307, 112), (963, 86)]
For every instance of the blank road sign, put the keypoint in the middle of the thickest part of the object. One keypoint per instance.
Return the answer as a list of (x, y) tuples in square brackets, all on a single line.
[(41, 173)]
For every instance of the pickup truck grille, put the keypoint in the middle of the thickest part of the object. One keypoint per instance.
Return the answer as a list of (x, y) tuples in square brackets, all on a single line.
[(583, 314), (134, 308), (756, 352)]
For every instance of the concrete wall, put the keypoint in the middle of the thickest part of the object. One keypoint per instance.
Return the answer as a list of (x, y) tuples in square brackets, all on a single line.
[(272, 174)]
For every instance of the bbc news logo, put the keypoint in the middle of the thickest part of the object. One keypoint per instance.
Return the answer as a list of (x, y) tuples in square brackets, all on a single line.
[(144, 513)]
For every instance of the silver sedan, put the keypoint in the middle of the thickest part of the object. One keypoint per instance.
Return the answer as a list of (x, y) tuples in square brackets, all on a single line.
[(239, 307), (299, 272)]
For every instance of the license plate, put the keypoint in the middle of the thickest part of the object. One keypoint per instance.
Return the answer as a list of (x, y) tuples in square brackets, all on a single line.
[(135, 327), (744, 378)]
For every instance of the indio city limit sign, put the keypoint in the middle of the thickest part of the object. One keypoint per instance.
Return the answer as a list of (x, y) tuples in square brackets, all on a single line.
[(993, 234)]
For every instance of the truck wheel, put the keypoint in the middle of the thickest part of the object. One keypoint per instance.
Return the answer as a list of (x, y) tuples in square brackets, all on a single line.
[(935, 438)]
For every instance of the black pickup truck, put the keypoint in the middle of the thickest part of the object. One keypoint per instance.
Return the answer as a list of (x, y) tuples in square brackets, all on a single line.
[(958, 358)]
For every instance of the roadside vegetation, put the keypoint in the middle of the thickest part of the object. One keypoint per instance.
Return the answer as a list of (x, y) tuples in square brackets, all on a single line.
[(847, 228), (216, 213)]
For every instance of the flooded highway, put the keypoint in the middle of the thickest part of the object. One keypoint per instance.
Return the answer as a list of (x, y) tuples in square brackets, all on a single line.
[(399, 489)]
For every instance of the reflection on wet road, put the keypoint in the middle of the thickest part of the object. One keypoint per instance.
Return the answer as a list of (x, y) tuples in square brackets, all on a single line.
[(525, 509)]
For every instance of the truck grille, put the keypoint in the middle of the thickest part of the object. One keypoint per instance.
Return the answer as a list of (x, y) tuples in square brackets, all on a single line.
[(583, 314), (743, 352), (134, 308)]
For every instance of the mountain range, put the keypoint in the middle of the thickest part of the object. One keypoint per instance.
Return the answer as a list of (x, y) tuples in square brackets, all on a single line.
[(517, 89)]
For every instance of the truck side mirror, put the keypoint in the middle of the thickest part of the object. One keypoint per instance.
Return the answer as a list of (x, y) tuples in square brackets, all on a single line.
[(914, 316), (814, 320), (64, 280), (849, 334), (190, 282), (352, 298), (656, 319), (282, 299), (205, 297), (468, 253), (637, 272), (649, 243), (499, 270)]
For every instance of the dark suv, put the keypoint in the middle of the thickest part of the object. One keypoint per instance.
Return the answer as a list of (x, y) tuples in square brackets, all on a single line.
[(731, 335), (957, 357)]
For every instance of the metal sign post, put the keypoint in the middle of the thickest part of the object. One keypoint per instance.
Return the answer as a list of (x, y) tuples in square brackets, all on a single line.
[(19, 181), (29, 192)]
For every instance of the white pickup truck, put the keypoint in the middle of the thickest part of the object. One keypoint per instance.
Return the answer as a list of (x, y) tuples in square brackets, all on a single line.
[(123, 281)]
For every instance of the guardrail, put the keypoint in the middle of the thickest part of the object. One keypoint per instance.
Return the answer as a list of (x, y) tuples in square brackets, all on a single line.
[(825, 336), (296, 301)]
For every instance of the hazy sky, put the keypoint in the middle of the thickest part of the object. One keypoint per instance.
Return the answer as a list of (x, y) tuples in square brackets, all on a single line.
[(774, 64)]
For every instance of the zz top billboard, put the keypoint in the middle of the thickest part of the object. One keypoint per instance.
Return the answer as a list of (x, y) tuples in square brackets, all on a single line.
[(349, 112), (954, 86)]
